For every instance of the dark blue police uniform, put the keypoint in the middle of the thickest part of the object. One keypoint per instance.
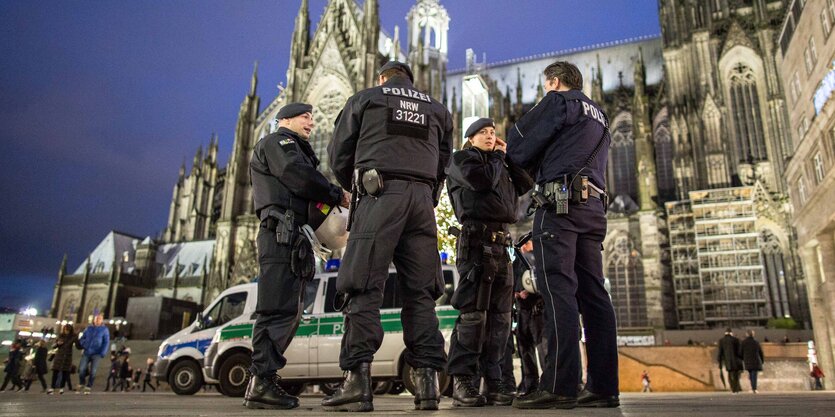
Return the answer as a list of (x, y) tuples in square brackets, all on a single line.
[(554, 139)]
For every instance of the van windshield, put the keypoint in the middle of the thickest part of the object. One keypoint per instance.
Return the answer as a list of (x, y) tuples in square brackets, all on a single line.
[(226, 309)]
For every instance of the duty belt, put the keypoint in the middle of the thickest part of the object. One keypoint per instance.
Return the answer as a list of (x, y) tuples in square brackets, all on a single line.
[(551, 189), (399, 177), (483, 233)]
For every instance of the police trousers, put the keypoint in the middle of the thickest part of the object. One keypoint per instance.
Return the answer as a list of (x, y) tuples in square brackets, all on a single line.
[(484, 332), (569, 273), (399, 226), (279, 307)]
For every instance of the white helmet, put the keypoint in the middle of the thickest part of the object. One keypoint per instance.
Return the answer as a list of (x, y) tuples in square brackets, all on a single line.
[(529, 282), (331, 233)]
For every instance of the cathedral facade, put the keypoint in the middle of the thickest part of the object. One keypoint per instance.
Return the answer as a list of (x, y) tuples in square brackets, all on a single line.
[(697, 108)]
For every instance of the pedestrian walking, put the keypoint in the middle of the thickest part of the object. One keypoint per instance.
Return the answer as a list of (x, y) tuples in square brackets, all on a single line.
[(730, 356), (39, 365), (645, 382), (390, 146), (125, 372), (13, 367), (95, 342), (817, 374), (113, 375), (565, 140), (752, 358), (62, 360), (285, 183), (150, 369)]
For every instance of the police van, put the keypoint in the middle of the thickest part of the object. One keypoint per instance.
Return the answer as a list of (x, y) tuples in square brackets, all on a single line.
[(313, 355), (180, 356)]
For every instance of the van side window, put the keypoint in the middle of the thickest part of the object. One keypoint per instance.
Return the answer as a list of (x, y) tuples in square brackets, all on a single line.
[(449, 288), (330, 294), (227, 309), (391, 296), (310, 295)]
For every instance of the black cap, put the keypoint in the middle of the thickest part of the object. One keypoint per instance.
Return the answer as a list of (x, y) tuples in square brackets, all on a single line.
[(397, 64), (728, 330), (478, 125), (293, 110)]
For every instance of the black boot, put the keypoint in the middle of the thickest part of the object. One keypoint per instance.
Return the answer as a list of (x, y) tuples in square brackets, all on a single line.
[(427, 393), (544, 400), (265, 392), (499, 393), (355, 393), (590, 399), (464, 392)]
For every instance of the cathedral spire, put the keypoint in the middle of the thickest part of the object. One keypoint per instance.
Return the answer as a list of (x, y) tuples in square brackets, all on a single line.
[(253, 83), (640, 73), (370, 44), (198, 157), (518, 86)]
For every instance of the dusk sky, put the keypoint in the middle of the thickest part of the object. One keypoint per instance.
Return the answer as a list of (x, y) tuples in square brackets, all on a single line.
[(102, 101)]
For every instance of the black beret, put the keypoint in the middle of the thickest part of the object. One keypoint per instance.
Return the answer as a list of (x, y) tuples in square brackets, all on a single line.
[(293, 110), (478, 125), (397, 64)]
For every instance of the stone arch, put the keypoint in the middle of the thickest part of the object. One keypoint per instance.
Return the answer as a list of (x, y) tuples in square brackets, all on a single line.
[(95, 303)]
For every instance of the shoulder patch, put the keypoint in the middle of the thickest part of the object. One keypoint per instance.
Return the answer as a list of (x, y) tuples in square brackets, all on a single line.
[(286, 141)]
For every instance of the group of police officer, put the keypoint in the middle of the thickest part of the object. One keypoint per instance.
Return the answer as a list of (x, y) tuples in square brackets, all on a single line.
[(392, 148)]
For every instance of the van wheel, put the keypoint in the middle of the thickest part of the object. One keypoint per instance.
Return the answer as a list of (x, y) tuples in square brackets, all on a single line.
[(397, 387), (294, 388), (383, 387), (329, 388), (233, 375), (185, 378)]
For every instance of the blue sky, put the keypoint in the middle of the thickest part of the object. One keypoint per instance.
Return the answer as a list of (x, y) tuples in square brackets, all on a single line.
[(101, 101)]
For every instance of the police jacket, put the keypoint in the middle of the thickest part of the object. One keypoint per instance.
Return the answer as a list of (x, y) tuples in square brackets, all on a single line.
[(284, 174), (483, 187), (558, 135), (395, 129)]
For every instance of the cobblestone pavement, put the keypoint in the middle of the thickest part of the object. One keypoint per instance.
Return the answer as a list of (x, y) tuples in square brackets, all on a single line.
[(808, 404)]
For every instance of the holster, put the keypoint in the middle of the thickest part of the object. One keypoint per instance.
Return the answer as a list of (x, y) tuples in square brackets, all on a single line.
[(284, 227), (486, 270), (302, 263)]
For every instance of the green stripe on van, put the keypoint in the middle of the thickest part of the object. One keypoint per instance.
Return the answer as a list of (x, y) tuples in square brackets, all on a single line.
[(333, 325)]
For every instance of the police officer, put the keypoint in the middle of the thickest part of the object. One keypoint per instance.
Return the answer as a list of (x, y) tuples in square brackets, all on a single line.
[(391, 144), (565, 139), (484, 192), (529, 321), (284, 182)]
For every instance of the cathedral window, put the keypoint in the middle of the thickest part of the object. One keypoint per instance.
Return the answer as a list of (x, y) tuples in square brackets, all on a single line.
[(830, 4), (745, 108), (622, 170), (775, 273), (626, 277), (795, 87), (820, 170), (825, 23), (664, 161)]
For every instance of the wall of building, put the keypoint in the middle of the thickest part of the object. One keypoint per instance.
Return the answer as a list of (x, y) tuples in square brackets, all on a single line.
[(806, 66)]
